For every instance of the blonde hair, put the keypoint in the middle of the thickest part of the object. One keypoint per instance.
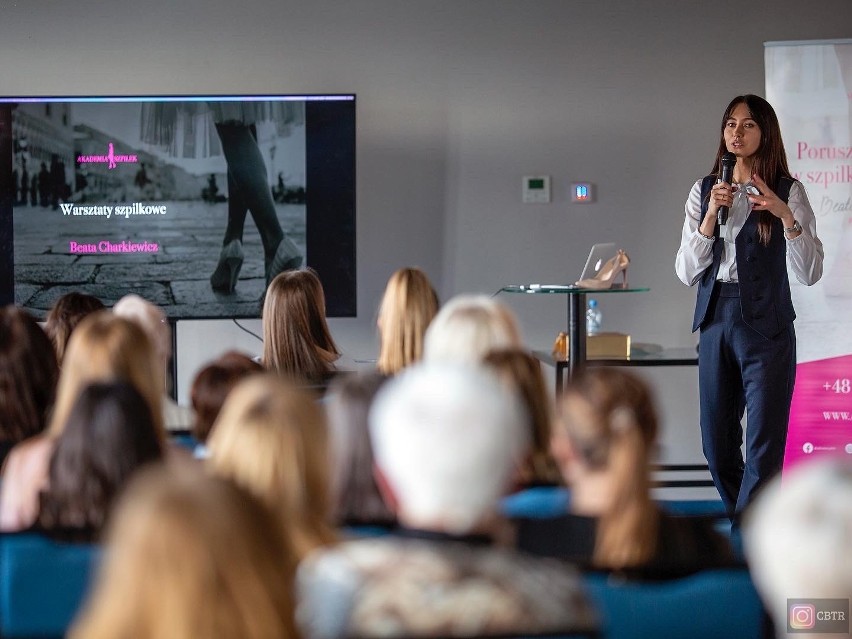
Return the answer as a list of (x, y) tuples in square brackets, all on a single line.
[(190, 555), (271, 439), (296, 338), (407, 308), (611, 420), (105, 348), (151, 319), (467, 327)]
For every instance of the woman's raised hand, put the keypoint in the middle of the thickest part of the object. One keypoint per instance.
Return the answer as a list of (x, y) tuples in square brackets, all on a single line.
[(766, 200)]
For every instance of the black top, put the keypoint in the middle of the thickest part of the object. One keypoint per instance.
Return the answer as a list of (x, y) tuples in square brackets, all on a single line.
[(685, 544)]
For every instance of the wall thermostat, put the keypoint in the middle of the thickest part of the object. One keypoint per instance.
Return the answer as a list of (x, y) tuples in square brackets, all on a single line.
[(536, 189), (582, 192)]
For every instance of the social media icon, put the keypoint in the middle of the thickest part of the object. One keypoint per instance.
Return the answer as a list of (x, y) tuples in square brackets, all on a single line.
[(802, 616), (808, 448)]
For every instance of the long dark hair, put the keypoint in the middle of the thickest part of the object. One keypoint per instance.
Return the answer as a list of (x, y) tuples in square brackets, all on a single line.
[(770, 160), (296, 339), (357, 499), (28, 376), (109, 434)]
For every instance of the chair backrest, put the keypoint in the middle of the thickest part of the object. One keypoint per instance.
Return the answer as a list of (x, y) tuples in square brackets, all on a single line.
[(706, 605), (539, 502), (42, 584), (704, 507)]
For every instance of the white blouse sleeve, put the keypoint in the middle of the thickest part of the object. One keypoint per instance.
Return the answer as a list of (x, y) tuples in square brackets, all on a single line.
[(696, 251), (805, 252)]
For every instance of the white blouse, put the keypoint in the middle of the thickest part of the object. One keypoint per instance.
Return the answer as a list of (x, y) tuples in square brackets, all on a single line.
[(804, 253)]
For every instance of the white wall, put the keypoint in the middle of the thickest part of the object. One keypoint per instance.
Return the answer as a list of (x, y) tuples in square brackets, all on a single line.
[(457, 99)]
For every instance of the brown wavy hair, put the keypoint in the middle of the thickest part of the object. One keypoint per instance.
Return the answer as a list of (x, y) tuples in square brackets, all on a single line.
[(64, 316), (523, 373), (617, 434), (211, 386)]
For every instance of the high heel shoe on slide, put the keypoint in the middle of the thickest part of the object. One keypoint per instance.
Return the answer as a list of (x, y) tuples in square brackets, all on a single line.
[(605, 278), (287, 257), (224, 278)]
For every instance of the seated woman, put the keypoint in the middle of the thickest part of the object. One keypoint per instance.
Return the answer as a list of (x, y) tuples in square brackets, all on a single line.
[(154, 322), (603, 442), (210, 389), (271, 439), (358, 503), (102, 348), (521, 371), (28, 375), (468, 327), (189, 555), (408, 306), (109, 434), (64, 316), (296, 340)]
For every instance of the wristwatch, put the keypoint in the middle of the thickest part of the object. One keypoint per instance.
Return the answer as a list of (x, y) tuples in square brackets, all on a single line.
[(796, 228)]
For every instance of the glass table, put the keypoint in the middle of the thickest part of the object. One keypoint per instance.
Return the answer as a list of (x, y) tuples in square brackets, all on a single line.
[(576, 297)]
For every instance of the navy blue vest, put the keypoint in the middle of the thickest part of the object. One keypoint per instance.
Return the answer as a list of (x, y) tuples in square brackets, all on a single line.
[(762, 270)]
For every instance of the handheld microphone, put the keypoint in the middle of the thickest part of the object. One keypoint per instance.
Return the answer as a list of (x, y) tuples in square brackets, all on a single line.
[(726, 174)]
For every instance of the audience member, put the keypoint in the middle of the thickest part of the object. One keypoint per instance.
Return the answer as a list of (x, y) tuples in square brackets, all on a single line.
[(356, 496), (446, 440), (28, 376), (798, 541), (407, 308), (210, 389), (467, 327), (188, 556), (603, 443), (271, 439), (109, 434), (521, 371), (154, 322), (296, 340), (63, 317), (102, 348)]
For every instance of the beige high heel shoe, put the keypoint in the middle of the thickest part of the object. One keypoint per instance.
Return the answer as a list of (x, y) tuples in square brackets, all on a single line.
[(605, 278)]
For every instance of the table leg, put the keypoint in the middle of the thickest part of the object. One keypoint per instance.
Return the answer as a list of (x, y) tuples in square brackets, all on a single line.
[(576, 333)]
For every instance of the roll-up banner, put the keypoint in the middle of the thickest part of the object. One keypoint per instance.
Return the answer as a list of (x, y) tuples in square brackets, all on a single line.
[(810, 85)]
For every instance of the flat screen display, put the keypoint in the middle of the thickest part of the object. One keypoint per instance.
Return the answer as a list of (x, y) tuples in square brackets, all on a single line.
[(192, 202)]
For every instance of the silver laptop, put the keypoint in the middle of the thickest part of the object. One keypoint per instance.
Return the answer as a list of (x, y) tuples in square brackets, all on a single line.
[(598, 256)]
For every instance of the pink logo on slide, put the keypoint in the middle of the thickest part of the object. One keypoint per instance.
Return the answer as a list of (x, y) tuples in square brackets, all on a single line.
[(111, 159)]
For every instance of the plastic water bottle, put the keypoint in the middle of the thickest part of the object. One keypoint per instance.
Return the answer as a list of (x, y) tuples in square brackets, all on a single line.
[(593, 318)]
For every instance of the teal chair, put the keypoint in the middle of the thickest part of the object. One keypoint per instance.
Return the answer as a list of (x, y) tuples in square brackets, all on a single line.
[(42, 584), (539, 502), (707, 605)]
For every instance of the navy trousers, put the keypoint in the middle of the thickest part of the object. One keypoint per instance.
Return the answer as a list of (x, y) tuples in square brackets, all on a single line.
[(740, 370)]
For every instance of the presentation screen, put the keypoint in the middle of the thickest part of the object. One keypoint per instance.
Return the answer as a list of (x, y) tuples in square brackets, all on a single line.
[(193, 202)]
